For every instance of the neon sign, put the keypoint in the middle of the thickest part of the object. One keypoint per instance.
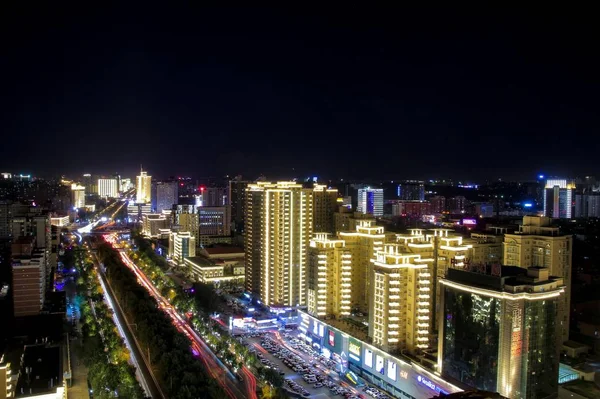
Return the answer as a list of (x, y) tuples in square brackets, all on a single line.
[(354, 351)]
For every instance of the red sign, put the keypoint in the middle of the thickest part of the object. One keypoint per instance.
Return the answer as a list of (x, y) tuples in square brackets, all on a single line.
[(331, 338)]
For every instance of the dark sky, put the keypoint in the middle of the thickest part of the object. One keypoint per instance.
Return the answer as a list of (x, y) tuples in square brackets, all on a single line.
[(343, 92)]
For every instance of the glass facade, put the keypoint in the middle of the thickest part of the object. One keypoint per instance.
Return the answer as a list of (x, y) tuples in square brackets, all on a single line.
[(471, 338), (540, 356)]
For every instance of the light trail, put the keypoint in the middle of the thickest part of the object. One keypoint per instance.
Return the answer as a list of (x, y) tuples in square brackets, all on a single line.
[(210, 360)]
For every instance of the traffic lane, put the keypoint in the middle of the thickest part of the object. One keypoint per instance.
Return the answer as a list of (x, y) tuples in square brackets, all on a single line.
[(289, 373)]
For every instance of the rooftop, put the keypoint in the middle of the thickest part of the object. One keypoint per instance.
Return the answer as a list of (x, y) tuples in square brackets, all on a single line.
[(224, 250), (41, 371)]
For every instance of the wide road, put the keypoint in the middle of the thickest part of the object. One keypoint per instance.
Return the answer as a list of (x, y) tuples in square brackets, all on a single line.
[(213, 365), (145, 377)]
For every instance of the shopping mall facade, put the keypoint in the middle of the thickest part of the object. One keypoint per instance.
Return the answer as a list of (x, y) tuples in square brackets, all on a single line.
[(356, 358)]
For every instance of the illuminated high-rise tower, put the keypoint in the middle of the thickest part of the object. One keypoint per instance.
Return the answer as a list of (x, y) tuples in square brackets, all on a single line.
[(370, 201), (144, 187), (279, 219), (558, 198)]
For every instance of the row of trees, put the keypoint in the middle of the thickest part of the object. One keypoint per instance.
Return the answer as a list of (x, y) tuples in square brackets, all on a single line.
[(178, 372), (204, 302), (104, 351)]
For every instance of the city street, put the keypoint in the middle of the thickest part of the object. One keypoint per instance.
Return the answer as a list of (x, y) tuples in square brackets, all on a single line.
[(213, 365)]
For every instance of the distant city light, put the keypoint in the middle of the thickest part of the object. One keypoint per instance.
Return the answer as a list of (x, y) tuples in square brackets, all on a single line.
[(528, 205), (541, 176)]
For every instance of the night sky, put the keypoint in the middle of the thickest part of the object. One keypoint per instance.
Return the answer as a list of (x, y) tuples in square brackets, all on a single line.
[(343, 92)]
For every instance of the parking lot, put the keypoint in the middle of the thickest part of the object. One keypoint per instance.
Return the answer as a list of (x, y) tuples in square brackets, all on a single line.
[(306, 373)]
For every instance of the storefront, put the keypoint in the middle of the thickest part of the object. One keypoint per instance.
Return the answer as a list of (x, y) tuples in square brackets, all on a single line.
[(357, 359)]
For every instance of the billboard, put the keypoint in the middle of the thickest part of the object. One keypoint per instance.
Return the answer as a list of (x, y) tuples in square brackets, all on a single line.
[(354, 350), (469, 222)]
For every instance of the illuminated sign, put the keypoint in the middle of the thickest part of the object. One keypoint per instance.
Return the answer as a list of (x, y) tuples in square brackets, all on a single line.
[(391, 370), (352, 377), (379, 364), (321, 330), (429, 384), (528, 205), (515, 341), (354, 351), (404, 374), (369, 358), (470, 222), (331, 338)]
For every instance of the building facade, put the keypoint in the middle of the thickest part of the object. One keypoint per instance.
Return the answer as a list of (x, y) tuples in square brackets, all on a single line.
[(370, 201), (498, 330), (213, 223), (182, 245), (78, 196), (325, 204), (279, 220), (558, 199), (153, 223), (108, 188), (329, 277), (166, 195), (143, 188), (237, 200), (411, 190), (400, 293), (538, 243)]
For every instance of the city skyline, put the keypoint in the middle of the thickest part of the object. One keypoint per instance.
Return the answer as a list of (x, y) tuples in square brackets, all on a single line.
[(318, 87)]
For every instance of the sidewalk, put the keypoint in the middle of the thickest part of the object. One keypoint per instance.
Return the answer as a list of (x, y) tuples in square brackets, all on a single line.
[(79, 389)]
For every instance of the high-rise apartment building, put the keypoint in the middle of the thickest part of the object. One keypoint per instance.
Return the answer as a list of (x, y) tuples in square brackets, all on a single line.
[(325, 204), (363, 243), (143, 188), (538, 243), (400, 293), (91, 186), (78, 196), (370, 201), (214, 196), (278, 227), (498, 330), (29, 273), (411, 190), (181, 245), (185, 218), (558, 198), (587, 205), (108, 188), (329, 277), (237, 200), (166, 195), (5, 219)]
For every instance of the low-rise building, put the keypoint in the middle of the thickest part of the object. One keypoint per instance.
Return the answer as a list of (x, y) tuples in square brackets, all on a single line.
[(210, 271), (152, 224), (182, 245)]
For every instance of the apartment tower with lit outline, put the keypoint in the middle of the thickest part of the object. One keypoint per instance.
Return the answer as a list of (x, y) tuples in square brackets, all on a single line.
[(279, 219)]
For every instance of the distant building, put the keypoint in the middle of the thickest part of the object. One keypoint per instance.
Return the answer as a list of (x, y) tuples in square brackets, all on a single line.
[(411, 190), (166, 195), (153, 223), (457, 204), (136, 211), (108, 188), (325, 204), (587, 205), (5, 219), (237, 200), (78, 196), (182, 245), (370, 201), (29, 277), (438, 204), (186, 218), (59, 221), (411, 208), (143, 188), (214, 196), (558, 199), (498, 330), (213, 225)]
